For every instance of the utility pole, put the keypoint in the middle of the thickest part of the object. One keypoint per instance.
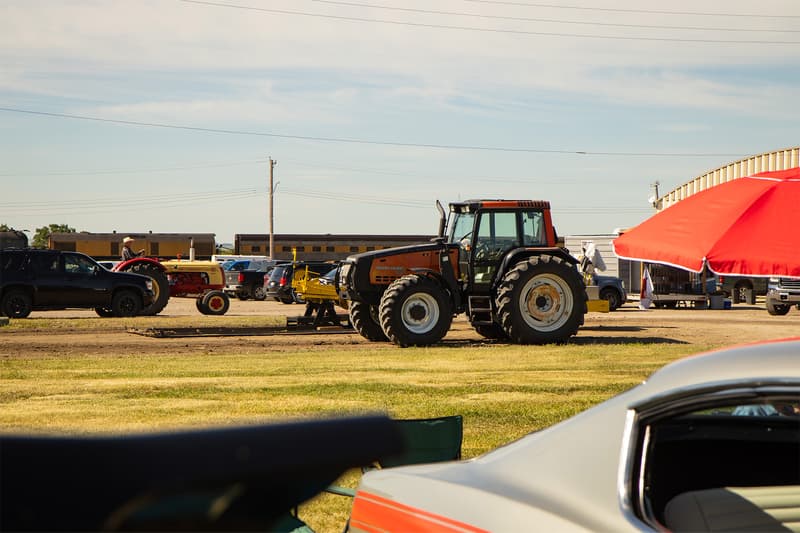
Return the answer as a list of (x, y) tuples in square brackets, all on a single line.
[(271, 215)]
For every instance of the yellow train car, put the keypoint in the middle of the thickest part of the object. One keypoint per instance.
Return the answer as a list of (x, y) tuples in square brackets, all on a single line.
[(319, 247), (107, 246)]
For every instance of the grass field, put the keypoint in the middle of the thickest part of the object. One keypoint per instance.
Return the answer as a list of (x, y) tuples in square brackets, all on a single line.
[(503, 392)]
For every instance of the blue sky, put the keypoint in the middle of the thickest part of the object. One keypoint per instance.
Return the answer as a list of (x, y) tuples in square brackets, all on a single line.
[(160, 115)]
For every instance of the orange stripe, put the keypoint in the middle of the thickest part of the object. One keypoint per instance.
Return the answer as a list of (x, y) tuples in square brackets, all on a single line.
[(377, 515)]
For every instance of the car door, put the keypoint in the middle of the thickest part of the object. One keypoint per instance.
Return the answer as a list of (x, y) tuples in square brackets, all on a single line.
[(85, 283), (47, 276)]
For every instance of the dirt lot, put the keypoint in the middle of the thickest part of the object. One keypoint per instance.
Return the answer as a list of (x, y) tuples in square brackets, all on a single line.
[(628, 324)]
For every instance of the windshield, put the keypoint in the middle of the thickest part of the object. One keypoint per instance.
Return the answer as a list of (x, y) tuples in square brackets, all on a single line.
[(461, 227)]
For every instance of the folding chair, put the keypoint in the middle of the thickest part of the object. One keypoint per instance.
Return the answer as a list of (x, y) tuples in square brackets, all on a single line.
[(427, 440)]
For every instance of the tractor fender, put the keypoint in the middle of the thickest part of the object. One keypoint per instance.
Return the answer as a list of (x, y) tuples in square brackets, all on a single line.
[(126, 265), (438, 278), (521, 254)]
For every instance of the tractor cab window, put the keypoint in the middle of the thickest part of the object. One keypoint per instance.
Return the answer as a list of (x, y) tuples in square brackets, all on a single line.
[(533, 229), (462, 233), (497, 233), (463, 225)]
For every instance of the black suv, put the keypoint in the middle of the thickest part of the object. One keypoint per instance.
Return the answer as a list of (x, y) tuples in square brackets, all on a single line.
[(50, 279), (279, 283)]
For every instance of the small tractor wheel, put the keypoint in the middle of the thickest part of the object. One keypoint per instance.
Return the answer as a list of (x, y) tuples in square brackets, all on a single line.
[(364, 318), (104, 312), (541, 300), (612, 296), (16, 304), (491, 331), (259, 293), (215, 303), (160, 287), (126, 303), (777, 309), (415, 311)]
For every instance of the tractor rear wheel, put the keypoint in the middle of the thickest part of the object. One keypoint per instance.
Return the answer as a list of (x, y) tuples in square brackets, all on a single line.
[(364, 318), (541, 300), (214, 303), (415, 311), (160, 287)]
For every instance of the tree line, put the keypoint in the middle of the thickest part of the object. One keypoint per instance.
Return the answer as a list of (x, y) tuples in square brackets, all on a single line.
[(41, 235)]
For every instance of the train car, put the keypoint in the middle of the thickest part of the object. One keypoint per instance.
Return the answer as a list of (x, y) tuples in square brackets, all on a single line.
[(320, 247), (107, 246)]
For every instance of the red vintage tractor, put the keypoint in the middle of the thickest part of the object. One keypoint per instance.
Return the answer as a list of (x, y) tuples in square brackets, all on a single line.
[(203, 280)]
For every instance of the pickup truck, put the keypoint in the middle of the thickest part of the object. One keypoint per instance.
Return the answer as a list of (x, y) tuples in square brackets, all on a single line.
[(245, 279), (51, 279), (782, 294)]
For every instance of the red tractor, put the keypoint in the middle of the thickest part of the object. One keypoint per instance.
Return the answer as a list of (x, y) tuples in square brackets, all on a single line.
[(498, 261), (203, 280)]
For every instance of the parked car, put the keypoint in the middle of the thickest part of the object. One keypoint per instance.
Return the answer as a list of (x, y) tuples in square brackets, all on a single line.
[(782, 294), (248, 282), (51, 279), (279, 284), (612, 289), (683, 451)]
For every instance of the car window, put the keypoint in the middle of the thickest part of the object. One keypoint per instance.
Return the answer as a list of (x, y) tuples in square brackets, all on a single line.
[(12, 262), (44, 264), (750, 442), (78, 264)]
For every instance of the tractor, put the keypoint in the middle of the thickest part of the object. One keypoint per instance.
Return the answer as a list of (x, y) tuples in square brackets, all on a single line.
[(498, 261), (202, 280)]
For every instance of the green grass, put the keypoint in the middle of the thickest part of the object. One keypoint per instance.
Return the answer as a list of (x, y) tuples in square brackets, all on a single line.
[(503, 392)]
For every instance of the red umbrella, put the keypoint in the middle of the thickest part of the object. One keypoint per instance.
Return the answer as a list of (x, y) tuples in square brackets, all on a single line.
[(749, 226)]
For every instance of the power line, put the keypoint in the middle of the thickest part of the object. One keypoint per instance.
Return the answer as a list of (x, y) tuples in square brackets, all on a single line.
[(549, 21), (364, 141), (96, 172), (487, 30), (641, 11)]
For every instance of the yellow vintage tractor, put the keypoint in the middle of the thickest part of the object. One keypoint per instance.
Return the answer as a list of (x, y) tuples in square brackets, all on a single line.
[(202, 280)]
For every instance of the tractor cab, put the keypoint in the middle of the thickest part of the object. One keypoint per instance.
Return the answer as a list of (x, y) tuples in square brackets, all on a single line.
[(487, 230)]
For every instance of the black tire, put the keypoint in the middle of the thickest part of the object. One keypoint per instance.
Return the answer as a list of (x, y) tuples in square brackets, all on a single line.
[(415, 311), (215, 303), (259, 293), (613, 296), (364, 318), (541, 300), (160, 287), (16, 304), (777, 309), (243, 296), (286, 300), (491, 331), (104, 312), (126, 303), (198, 303)]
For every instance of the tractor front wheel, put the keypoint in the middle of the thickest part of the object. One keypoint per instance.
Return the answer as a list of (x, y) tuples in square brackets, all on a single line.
[(364, 318), (160, 287), (415, 311), (541, 300), (214, 303)]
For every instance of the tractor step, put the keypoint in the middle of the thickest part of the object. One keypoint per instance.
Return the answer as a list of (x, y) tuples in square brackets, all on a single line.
[(480, 310)]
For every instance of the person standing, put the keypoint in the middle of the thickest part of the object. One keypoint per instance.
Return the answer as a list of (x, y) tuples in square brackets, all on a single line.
[(127, 251)]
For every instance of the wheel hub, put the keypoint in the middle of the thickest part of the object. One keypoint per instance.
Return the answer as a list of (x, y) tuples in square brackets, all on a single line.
[(420, 313), (545, 302)]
